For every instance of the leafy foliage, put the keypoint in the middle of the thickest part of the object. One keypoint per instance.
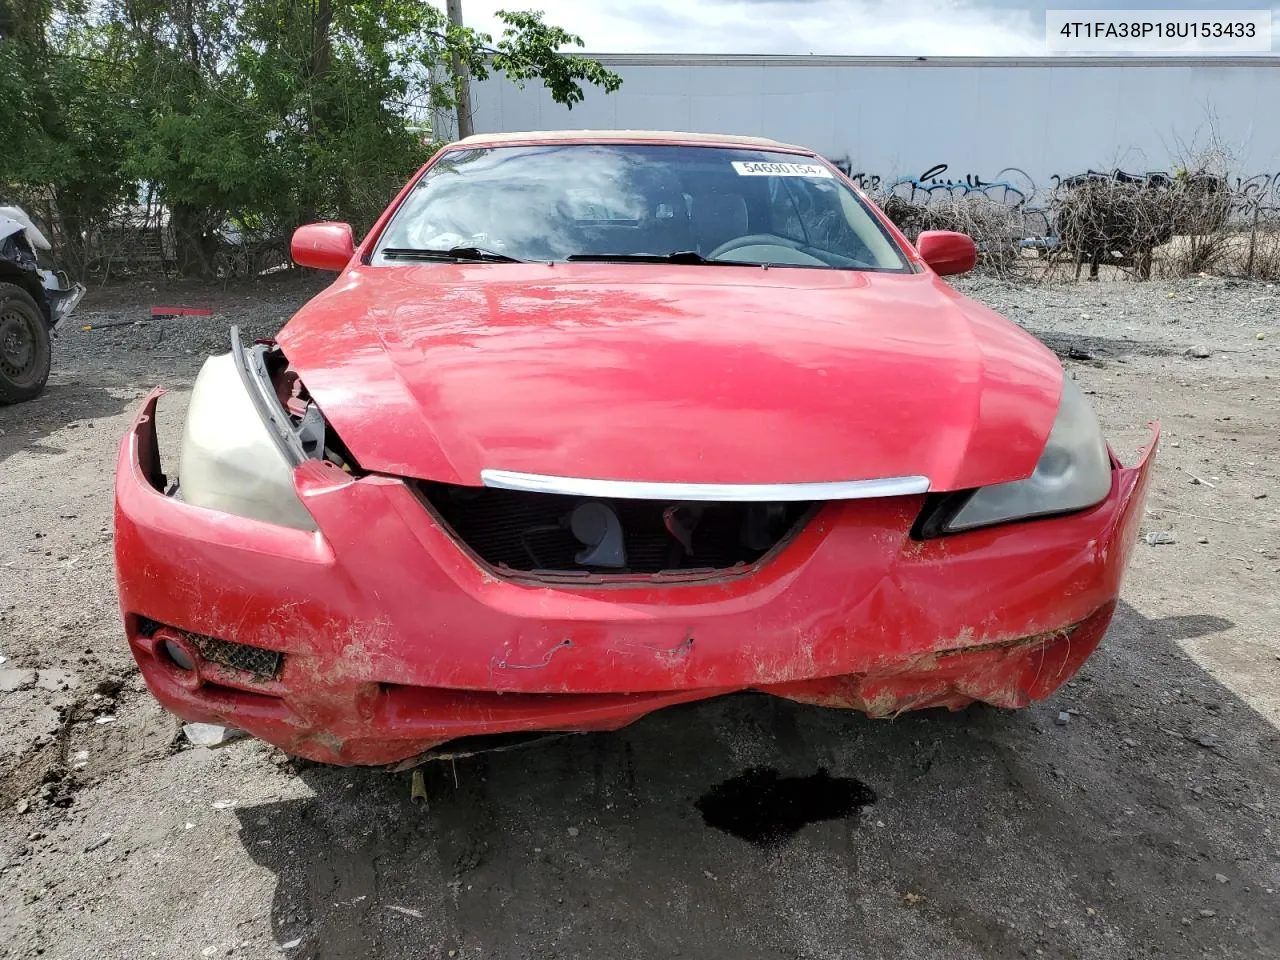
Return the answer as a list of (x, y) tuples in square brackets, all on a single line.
[(244, 115), (63, 110), (521, 55)]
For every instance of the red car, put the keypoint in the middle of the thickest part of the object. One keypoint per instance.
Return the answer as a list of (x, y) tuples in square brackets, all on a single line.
[(591, 424)]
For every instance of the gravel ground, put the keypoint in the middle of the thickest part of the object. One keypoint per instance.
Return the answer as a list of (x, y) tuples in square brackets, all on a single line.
[(1143, 827)]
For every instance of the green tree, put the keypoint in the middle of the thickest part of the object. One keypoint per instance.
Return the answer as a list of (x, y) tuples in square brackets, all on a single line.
[(62, 110), (259, 113)]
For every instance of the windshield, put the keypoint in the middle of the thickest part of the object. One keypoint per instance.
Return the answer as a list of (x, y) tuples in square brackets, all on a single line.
[(646, 201)]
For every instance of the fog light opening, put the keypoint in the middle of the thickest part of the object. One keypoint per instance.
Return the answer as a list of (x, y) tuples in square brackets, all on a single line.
[(177, 656)]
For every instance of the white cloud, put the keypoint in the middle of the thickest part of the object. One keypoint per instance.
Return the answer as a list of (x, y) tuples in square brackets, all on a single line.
[(902, 27), (883, 27)]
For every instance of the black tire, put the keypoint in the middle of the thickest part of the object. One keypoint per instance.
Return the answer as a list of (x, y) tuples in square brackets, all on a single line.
[(25, 353)]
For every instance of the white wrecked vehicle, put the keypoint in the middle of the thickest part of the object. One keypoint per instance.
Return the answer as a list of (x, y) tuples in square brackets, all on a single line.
[(32, 304)]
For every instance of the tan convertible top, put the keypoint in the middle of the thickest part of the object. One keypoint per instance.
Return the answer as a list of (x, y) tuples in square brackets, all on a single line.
[(614, 136)]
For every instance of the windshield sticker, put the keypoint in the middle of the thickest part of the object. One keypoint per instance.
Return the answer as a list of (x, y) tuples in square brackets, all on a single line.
[(760, 168)]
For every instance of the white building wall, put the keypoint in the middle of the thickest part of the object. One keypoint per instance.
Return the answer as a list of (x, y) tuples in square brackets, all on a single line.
[(899, 117)]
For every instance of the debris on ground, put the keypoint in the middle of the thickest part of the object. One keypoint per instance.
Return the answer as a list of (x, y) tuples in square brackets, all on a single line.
[(1158, 537), (167, 312), (211, 734), (407, 911), (418, 788), (13, 680)]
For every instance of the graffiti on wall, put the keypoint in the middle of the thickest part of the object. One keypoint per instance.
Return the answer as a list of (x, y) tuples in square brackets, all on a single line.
[(1095, 216), (1013, 187), (866, 181), (1258, 195), (1245, 197)]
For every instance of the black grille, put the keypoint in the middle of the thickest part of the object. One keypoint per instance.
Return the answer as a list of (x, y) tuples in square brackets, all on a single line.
[(530, 532), (263, 664)]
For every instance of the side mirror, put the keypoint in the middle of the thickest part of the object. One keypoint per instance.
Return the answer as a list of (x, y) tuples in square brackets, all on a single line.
[(946, 252), (324, 246)]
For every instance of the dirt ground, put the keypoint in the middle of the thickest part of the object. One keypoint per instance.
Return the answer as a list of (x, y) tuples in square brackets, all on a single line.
[(1148, 825)]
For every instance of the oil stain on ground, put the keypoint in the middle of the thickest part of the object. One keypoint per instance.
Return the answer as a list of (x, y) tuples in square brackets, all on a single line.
[(764, 808)]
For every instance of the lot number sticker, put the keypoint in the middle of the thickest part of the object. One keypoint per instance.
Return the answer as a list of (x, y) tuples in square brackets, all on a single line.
[(759, 168)]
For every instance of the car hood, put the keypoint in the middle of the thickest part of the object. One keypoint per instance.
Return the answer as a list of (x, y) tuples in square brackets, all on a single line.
[(696, 374)]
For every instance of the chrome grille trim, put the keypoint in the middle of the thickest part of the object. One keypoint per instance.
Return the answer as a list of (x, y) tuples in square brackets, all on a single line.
[(722, 492)]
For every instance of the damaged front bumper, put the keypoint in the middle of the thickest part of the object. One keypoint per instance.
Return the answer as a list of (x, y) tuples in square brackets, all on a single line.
[(376, 638), (62, 295)]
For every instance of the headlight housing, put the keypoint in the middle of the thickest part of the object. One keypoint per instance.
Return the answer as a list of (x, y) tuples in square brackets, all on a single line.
[(1074, 472), (240, 446)]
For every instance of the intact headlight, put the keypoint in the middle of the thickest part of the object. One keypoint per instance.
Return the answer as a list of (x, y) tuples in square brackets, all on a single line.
[(1074, 472), (240, 447)]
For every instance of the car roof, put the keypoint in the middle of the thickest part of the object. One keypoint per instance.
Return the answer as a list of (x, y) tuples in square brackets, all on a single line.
[(625, 136)]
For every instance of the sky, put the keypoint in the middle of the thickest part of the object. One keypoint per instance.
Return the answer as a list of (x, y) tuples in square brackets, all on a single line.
[(886, 27)]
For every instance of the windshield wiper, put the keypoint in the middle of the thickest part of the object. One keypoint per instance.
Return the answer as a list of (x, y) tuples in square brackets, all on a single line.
[(679, 256), (453, 253)]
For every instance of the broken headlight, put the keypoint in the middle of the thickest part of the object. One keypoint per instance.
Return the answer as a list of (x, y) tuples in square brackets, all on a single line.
[(241, 445), (1074, 472)]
